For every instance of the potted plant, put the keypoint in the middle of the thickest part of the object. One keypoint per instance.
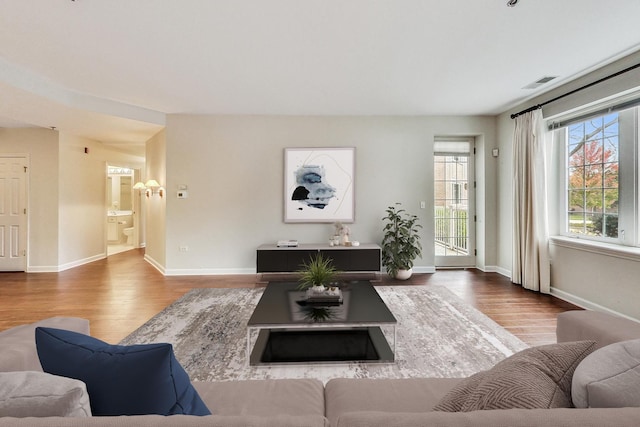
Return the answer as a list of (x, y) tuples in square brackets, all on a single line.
[(401, 242), (316, 273)]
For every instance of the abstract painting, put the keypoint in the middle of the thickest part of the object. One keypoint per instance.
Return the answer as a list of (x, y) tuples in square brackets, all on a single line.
[(319, 184)]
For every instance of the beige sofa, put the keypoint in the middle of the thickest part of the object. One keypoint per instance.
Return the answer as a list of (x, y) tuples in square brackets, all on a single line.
[(341, 402)]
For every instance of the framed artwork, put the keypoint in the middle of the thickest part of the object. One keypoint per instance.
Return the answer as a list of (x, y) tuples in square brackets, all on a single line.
[(319, 184)]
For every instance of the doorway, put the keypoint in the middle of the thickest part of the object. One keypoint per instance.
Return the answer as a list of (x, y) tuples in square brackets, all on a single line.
[(121, 215), (454, 202), (13, 213)]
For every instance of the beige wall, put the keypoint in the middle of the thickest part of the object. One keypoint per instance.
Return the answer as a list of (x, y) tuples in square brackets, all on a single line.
[(585, 277), (66, 205), (82, 198), (41, 145), (154, 206), (233, 167), (81, 202)]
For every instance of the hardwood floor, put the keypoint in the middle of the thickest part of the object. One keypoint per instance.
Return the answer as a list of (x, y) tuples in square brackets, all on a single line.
[(120, 293)]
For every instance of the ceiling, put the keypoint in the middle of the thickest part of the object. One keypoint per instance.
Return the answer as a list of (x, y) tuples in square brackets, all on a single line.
[(112, 70)]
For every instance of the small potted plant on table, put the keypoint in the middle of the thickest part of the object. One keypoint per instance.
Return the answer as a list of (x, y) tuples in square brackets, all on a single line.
[(316, 274), (401, 242)]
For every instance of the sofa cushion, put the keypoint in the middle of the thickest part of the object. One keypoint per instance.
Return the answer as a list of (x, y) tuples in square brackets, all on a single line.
[(609, 377), (559, 417), (603, 328), (121, 380), (343, 395), (174, 421), (265, 398), (538, 377), (38, 394), (19, 348)]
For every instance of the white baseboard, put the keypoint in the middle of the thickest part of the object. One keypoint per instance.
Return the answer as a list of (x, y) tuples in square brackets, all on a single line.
[(495, 269), (586, 304), (426, 269), (42, 269), (82, 262), (207, 271), (63, 267), (503, 271), (154, 263)]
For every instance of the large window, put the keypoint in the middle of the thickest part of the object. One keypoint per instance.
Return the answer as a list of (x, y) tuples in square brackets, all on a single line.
[(592, 184), (601, 177)]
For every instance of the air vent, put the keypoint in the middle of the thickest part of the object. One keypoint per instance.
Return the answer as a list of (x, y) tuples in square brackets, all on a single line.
[(539, 82)]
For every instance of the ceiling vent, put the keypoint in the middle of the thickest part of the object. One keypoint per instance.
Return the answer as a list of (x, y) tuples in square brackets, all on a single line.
[(540, 82)]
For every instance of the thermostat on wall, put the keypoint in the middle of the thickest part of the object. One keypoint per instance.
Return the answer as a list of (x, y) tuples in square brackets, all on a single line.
[(183, 194)]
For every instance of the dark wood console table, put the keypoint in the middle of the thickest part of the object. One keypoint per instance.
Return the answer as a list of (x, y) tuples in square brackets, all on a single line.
[(363, 258)]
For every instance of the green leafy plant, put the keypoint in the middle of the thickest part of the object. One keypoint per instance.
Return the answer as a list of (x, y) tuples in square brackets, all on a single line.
[(401, 241), (318, 314), (316, 272)]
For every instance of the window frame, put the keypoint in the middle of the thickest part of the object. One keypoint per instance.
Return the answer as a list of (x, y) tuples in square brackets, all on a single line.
[(628, 175)]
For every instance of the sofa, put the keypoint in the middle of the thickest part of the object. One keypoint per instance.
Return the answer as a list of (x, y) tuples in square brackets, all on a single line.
[(348, 402)]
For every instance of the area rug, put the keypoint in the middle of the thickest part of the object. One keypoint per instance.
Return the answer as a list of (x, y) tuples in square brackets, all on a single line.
[(438, 335)]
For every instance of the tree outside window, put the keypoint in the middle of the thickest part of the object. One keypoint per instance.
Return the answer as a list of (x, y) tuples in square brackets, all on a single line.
[(593, 176)]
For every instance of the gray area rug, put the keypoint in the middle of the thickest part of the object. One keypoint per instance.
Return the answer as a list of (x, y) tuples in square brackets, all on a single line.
[(438, 335)]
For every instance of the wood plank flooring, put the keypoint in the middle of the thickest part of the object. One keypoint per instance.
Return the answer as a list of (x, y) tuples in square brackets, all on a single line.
[(120, 293)]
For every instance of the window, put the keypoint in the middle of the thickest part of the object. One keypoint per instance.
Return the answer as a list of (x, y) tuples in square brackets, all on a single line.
[(600, 177), (457, 192), (592, 184)]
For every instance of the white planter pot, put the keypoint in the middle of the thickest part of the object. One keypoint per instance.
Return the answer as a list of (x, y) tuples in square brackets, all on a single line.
[(404, 274), (317, 289)]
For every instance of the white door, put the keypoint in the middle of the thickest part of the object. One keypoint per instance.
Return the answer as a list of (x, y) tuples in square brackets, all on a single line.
[(454, 203), (13, 213)]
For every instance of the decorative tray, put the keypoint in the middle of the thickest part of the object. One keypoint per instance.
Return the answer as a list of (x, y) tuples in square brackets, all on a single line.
[(328, 296)]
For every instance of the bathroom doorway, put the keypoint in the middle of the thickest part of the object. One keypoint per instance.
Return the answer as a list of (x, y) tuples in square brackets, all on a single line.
[(123, 205)]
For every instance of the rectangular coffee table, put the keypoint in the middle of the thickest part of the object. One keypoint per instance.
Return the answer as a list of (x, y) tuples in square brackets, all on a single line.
[(285, 329)]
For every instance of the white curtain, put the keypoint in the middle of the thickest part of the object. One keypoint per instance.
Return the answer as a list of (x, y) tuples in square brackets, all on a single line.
[(530, 266)]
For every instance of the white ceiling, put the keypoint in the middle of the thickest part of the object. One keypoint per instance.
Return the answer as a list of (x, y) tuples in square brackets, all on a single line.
[(112, 69)]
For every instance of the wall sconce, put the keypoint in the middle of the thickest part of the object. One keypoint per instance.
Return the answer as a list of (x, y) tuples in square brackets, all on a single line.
[(152, 186), (139, 186)]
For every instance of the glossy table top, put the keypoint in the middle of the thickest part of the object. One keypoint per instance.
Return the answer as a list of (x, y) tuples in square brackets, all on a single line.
[(282, 304)]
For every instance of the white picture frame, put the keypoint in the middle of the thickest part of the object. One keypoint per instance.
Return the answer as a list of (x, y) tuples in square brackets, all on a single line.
[(319, 185)]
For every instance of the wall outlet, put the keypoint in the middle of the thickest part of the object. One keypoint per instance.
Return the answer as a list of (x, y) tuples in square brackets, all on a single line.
[(184, 248)]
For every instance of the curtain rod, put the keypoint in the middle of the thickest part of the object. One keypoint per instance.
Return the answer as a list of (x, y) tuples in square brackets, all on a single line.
[(538, 106)]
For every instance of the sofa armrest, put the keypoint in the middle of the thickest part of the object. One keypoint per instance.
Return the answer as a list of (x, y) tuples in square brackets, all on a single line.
[(18, 344), (603, 328)]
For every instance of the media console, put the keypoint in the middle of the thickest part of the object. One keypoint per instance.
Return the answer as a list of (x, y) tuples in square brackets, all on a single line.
[(363, 258)]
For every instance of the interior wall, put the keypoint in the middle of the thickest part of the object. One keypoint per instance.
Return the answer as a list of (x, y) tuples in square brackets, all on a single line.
[(154, 206), (233, 168), (42, 147), (66, 205), (82, 206), (581, 276), (81, 201)]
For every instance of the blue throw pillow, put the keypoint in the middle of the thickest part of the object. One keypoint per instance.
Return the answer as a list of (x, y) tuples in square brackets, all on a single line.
[(121, 380)]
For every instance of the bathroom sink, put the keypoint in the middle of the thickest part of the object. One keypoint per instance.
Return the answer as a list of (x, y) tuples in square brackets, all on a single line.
[(118, 213)]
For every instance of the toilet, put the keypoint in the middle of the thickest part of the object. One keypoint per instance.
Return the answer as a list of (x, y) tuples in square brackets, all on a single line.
[(129, 233)]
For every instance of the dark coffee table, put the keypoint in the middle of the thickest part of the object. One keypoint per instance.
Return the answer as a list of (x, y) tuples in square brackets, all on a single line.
[(285, 329)]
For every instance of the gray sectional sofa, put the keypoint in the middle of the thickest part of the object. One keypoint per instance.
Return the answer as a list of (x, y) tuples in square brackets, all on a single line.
[(340, 402)]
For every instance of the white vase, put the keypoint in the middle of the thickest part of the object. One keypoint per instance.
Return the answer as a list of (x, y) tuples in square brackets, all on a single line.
[(404, 274)]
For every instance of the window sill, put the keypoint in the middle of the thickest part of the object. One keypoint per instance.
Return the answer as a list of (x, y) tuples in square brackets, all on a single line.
[(608, 249)]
